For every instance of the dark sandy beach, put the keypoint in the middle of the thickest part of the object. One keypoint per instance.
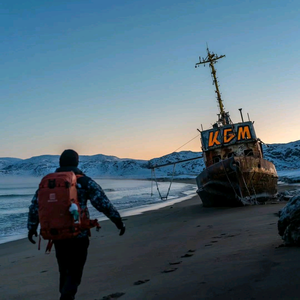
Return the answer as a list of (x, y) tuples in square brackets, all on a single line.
[(183, 251)]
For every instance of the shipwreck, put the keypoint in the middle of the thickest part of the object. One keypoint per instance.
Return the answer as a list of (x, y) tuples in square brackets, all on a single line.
[(235, 172)]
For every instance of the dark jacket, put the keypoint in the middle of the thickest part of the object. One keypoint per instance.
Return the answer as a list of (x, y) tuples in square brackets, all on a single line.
[(87, 189)]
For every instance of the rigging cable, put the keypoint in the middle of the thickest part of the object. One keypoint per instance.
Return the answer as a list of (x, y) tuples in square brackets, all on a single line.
[(152, 170), (187, 142), (161, 197), (153, 173), (171, 181), (157, 184), (253, 188), (229, 180)]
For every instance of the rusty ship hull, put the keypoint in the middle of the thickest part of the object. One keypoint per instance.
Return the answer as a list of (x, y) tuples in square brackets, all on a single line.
[(236, 172), (237, 181)]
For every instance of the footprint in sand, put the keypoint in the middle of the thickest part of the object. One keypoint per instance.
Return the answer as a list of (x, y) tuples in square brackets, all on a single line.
[(175, 263), (141, 281), (113, 296), (187, 255), (169, 270)]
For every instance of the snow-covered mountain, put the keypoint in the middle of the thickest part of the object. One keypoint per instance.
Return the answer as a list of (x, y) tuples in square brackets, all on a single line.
[(286, 158), (6, 161), (105, 166)]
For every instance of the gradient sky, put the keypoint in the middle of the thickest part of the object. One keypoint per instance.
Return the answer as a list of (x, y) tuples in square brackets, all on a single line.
[(118, 78)]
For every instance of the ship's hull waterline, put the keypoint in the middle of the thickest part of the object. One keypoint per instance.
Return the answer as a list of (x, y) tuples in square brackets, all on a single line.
[(237, 181)]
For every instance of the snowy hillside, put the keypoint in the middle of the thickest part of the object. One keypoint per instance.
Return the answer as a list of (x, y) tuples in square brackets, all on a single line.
[(286, 158), (6, 161), (186, 169), (105, 166)]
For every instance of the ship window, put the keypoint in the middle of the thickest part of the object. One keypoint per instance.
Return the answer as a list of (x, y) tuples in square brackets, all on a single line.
[(248, 152), (216, 158), (230, 154)]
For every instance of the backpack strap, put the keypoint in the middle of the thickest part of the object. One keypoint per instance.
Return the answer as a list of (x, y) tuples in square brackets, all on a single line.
[(49, 246), (82, 180), (40, 239), (87, 222)]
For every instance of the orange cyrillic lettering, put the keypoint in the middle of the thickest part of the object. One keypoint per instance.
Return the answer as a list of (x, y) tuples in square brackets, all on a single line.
[(228, 135), (213, 138), (244, 133)]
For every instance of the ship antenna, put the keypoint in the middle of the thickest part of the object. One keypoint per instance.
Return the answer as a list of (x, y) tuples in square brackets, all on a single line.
[(212, 59)]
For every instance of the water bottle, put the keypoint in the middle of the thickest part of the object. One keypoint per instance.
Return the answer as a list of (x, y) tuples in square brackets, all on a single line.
[(74, 211)]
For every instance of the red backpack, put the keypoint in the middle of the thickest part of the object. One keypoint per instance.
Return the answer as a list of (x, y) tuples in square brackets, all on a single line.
[(57, 192)]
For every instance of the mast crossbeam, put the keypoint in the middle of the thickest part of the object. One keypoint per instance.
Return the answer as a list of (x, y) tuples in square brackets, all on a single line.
[(211, 59)]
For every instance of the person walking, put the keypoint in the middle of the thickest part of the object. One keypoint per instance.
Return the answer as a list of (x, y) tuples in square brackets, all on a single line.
[(71, 253)]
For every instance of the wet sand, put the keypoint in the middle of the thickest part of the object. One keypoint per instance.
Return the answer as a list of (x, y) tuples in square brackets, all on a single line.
[(183, 251)]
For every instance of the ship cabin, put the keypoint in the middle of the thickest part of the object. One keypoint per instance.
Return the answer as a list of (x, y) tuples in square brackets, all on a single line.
[(223, 142)]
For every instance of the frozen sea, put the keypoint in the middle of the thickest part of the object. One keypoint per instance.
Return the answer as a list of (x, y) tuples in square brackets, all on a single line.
[(128, 196)]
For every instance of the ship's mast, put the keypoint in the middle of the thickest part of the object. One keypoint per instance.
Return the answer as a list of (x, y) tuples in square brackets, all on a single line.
[(212, 59)]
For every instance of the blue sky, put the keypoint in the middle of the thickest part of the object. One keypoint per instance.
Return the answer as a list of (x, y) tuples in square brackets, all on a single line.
[(118, 77)]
